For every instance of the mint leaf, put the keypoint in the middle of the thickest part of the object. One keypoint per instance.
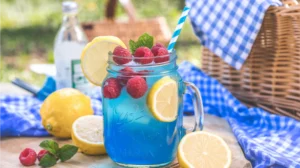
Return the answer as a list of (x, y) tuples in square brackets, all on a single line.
[(48, 160), (66, 152), (132, 46), (144, 40), (50, 146)]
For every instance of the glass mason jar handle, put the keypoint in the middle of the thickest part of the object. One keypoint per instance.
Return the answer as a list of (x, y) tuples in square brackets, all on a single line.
[(198, 106)]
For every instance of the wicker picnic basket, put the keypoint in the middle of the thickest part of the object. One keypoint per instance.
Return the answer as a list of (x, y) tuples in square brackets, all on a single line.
[(126, 30), (270, 78)]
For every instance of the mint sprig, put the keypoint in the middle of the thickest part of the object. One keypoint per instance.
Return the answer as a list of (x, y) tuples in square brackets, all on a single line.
[(48, 160), (50, 145), (67, 152), (144, 40), (56, 153)]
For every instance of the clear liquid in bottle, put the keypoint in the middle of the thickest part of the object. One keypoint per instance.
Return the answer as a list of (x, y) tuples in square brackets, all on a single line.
[(69, 43)]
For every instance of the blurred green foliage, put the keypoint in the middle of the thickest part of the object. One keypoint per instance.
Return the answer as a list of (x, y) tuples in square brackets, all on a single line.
[(28, 29), (17, 67), (29, 13)]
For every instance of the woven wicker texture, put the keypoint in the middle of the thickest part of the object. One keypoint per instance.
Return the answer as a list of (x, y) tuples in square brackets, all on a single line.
[(126, 30), (270, 78), (157, 27)]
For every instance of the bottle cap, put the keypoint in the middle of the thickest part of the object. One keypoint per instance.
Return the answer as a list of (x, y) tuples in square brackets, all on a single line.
[(69, 7)]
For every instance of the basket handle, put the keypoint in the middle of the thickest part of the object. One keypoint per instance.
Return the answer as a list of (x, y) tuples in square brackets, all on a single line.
[(111, 7), (288, 3), (129, 8), (291, 8)]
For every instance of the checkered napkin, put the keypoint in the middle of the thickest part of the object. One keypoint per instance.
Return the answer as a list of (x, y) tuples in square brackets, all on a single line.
[(20, 114), (228, 27), (267, 140)]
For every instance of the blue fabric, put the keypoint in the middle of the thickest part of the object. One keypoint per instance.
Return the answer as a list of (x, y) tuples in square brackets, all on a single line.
[(20, 114), (228, 28), (267, 140)]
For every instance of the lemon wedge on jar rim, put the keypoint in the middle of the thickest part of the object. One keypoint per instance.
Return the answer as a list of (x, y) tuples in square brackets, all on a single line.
[(95, 55), (162, 99), (87, 134), (203, 150)]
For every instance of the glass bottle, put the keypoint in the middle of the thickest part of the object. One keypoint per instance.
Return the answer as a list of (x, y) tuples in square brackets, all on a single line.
[(69, 43)]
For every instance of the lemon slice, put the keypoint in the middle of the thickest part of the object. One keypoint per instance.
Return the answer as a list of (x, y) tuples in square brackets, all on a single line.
[(162, 99), (87, 134), (203, 150), (95, 55)]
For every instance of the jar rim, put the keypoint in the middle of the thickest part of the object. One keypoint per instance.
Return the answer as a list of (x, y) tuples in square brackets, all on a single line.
[(171, 54), (161, 56), (113, 67)]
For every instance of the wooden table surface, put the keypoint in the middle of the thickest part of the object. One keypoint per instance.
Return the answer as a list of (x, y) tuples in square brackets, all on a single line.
[(11, 147)]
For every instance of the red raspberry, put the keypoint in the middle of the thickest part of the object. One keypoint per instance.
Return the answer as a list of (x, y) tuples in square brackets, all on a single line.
[(136, 87), (27, 157), (142, 72), (112, 88), (155, 48), (143, 55), (121, 55), (162, 55), (41, 154), (126, 73), (159, 45)]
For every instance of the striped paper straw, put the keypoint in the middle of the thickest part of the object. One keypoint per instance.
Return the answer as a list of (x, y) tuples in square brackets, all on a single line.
[(179, 26)]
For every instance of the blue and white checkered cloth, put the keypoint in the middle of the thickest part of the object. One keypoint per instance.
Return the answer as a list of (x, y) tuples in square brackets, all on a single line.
[(20, 114), (267, 140), (228, 28)]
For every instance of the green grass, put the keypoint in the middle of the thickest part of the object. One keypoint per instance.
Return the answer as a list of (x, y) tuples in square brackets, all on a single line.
[(20, 13), (28, 29), (35, 40), (17, 67)]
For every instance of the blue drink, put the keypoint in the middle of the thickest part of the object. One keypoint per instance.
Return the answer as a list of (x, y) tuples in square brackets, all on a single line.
[(132, 135)]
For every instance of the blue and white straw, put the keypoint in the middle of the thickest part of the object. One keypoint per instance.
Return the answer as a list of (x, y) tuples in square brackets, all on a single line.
[(179, 26)]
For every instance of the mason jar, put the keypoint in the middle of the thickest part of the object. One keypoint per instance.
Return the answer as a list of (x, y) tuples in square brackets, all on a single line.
[(133, 135)]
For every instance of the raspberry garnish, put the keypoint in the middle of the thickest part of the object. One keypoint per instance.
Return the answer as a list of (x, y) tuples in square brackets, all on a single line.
[(155, 48), (126, 73), (159, 45), (143, 55), (136, 87), (27, 157), (121, 55), (112, 88), (142, 72), (162, 55), (41, 154)]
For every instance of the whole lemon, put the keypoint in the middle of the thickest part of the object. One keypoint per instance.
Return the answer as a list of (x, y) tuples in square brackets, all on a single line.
[(62, 108)]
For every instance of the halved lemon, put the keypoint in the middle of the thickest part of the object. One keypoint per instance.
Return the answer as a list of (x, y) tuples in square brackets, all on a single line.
[(203, 150), (162, 99), (95, 55), (87, 134)]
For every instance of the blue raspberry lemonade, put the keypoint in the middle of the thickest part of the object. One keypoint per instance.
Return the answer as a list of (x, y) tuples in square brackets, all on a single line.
[(132, 134)]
